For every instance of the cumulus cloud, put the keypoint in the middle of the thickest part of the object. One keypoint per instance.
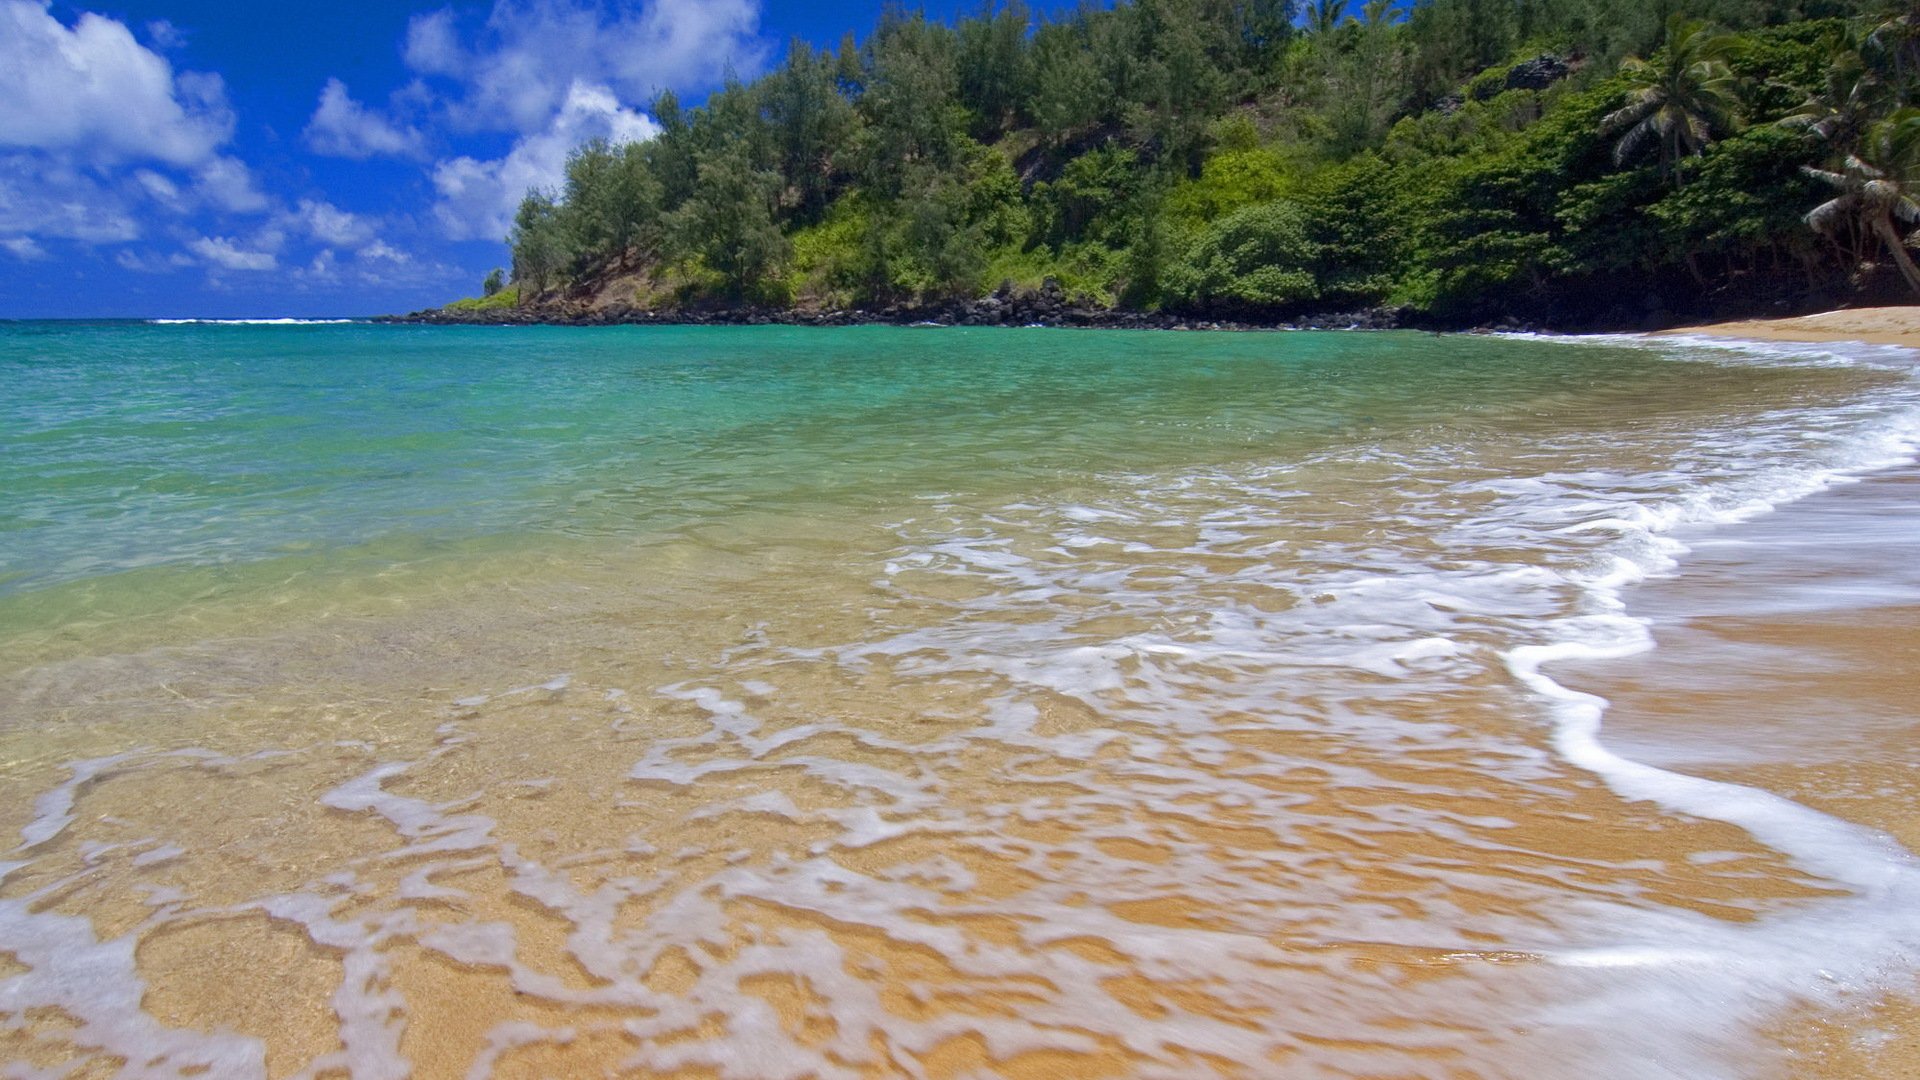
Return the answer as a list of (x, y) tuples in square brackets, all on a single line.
[(521, 66), (343, 127), (376, 266), (224, 253), (99, 130), (91, 91), (478, 198)]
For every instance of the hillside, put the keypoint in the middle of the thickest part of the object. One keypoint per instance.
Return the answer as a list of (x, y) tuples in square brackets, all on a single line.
[(1170, 161)]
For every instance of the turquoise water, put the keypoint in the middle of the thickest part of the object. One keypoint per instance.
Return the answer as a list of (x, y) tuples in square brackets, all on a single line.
[(130, 446), (441, 702)]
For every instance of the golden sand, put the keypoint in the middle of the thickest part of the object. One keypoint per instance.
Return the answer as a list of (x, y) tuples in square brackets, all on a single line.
[(1875, 326), (707, 804)]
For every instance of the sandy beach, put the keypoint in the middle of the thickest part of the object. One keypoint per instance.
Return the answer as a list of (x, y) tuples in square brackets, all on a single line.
[(1876, 326), (1167, 728), (1774, 639)]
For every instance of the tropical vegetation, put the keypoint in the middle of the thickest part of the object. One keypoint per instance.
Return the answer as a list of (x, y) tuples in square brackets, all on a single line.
[(1590, 160)]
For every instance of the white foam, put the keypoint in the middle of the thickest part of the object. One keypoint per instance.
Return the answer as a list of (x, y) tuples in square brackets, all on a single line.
[(1250, 618), (252, 322)]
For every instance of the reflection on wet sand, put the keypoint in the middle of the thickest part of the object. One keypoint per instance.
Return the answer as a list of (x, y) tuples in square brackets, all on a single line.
[(1239, 766)]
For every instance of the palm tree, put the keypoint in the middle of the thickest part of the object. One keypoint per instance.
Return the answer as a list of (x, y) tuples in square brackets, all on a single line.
[(1682, 99), (1877, 187), (1325, 16), (1839, 113), (1895, 35)]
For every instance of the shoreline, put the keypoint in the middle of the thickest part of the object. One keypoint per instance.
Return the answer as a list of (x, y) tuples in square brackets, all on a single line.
[(486, 716), (1871, 326), (1888, 325)]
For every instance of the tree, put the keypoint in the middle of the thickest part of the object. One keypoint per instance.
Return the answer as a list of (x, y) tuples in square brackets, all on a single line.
[(1877, 187), (1069, 94), (994, 66), (1325, 16), (496, 280), (671, 154), (729, 223), (909, 97), (811, 121), (611, 208), (1255, 259), (1840, 112), (1895, 37), (1683, 100), (539, 245)]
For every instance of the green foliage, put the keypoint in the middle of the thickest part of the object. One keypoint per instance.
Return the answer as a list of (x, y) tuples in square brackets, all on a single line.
[(1254, 259), (502, 299), (1228, 182), (1682, 101), (496, 280), (728, 224), (1224, 156), (539, 243)]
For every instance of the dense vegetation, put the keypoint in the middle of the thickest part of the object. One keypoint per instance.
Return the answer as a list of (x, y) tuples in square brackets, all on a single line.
[(1581, 159)]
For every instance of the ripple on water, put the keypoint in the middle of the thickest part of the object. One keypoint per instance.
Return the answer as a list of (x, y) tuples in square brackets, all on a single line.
[(1189, 771)]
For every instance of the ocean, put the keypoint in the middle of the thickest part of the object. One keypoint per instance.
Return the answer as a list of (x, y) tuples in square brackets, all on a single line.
[(768, 703)]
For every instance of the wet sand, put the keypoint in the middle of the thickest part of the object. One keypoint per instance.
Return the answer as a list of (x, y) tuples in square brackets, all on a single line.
[(1875, 326), (1788, 659), (1193, 776)]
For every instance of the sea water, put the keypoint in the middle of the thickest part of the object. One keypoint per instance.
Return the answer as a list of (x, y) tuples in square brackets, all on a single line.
[(762, 703)]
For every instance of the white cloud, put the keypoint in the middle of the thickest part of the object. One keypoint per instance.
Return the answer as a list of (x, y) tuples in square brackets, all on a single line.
[(478, 198), (223, 253), (330, 225), (152, 262), (530, 54), (23, 248), (343, 127), (433, 45), (381, 251), (165, 35), (227, 184), (48, 198), (325, 266), (98, 130), (91, 91), (377, 266), (160, 188)]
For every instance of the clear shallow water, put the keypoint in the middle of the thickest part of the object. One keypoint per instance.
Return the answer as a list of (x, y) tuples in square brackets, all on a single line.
[(874, 702)]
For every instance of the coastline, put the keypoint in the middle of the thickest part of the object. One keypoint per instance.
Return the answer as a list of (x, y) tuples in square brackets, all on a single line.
[(1872, 326), (1784, 651), (544, 695), (1049, 307)]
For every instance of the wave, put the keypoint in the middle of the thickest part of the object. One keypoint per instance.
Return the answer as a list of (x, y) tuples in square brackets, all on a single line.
[(1242, 735), (252, 322)]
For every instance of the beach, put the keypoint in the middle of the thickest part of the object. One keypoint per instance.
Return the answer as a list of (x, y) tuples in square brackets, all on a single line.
[(727, 702), (1876, 326)]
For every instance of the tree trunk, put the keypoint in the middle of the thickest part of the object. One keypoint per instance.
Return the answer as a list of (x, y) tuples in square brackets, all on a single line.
[(1890, 236)]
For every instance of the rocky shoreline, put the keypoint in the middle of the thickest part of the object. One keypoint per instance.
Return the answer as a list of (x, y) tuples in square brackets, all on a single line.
[(1047, 306)]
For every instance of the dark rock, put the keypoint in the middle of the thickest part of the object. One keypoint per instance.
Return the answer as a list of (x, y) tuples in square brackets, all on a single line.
[(1538, 73)]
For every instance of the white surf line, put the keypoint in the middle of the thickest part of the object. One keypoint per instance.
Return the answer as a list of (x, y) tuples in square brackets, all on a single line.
[(1884, 875), (253, 322)]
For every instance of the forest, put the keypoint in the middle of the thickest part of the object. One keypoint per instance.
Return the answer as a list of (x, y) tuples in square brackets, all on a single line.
[(1575, 162)]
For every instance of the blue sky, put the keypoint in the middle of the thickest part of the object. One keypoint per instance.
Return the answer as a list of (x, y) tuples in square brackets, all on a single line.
[(194, 158)]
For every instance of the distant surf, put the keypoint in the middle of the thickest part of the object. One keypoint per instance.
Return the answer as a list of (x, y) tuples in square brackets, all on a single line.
[(251, 322)]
